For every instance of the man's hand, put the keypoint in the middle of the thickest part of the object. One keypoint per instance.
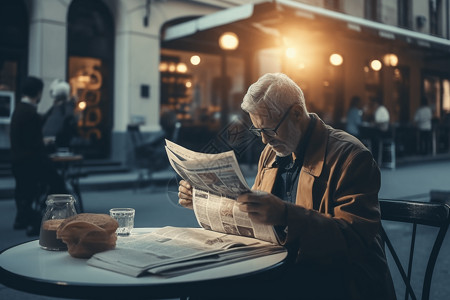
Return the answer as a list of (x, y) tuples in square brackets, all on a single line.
[(263, 207), (185, 194)]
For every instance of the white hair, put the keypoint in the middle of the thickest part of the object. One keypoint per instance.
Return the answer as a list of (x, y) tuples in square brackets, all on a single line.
[(273, 92), (59, 88)]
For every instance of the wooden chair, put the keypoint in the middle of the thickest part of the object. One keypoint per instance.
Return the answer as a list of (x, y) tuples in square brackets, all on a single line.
[(423, 213)]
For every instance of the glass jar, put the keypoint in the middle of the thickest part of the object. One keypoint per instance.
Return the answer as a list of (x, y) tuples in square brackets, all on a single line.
[(59, 207)]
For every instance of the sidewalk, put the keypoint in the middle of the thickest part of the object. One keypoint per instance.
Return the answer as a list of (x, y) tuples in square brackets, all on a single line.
[(133, 179)]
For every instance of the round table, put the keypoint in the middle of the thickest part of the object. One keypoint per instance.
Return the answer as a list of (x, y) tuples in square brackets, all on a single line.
[(29, 268)]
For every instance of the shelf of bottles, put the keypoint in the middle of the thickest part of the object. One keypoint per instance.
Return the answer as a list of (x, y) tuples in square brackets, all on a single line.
[(176, 88)]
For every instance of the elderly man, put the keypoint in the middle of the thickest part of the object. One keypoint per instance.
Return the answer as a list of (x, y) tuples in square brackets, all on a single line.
[(320, 189)]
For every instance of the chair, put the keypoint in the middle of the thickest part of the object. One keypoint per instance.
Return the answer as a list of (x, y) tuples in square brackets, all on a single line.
[(441, 196), (387, 148), (148, 154), (423, 213)]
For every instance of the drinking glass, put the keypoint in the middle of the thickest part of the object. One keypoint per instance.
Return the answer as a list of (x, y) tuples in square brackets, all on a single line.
[(125, 218)]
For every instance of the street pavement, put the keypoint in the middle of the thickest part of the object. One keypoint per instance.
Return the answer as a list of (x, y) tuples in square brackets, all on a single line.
[(157, 206)]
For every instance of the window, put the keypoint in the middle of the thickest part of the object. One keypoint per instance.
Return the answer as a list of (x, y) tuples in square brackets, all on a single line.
[(371, 10), (332, 4), (435, 17), (404, 13), (90, 72)]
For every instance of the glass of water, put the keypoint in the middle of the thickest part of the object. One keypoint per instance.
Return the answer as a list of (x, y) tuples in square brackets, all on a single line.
[(125, 218)]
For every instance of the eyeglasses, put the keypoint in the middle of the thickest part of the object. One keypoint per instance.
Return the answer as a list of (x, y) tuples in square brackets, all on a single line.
[(269, 131)]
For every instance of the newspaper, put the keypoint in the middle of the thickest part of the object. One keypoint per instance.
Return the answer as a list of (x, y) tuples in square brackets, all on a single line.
[(217, 181), (227, 234), (174, 251)]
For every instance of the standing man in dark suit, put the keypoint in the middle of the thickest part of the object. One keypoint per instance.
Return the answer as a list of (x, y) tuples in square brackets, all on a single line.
[(31, 166)]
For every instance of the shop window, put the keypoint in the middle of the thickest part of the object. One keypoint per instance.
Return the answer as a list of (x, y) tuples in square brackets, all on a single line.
[(400, 96), (13, 64), (446, 96), (194, 92), (436, 88), (373, 89), (8, 75), (176, 88), (90, 65), (86, 80), (191, 90), (13, 44)]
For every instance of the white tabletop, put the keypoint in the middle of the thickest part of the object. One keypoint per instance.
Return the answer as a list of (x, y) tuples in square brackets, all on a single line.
[(34, 264)]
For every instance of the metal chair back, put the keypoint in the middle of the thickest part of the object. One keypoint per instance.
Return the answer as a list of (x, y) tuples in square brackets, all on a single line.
[(416, 213)]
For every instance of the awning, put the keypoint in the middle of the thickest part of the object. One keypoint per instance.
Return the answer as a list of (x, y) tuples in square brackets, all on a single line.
[(261, 25)]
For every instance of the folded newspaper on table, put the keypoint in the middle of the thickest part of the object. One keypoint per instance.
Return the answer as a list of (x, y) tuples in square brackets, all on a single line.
[(174, 251), (227, 234)]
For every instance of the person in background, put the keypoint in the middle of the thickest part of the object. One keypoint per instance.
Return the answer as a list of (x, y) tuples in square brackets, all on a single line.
[(354, 116), (378, 126), (381, 115), (319, 187), (60, 123), (32, 169), (422, 120)]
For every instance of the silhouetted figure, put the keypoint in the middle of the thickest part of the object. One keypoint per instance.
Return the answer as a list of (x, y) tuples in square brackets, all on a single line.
[(422, 120), (378, 127), (60, 122), (32, 168), (354, 116)]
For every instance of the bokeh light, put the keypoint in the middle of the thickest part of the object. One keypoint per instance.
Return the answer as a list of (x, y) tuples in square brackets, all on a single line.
[(376, 65), (336, 59), (291, 52), (181, 67), (229, 41), (195, 60)]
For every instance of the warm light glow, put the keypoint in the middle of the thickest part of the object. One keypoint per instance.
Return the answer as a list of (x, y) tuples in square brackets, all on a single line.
[(188, 84), (84, 78), (291, 52), (82, 105), (195, 60), (181, 68), (390, 59), (229, 41), (446, 95), (366, 69), (172, 67), (376, 65), (163, 67), (301, 65), (397, 74), (336, 59)]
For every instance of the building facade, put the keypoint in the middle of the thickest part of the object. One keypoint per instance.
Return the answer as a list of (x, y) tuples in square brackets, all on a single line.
[(126, 67)]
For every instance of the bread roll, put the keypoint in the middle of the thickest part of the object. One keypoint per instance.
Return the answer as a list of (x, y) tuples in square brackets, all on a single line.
[(86, 234)]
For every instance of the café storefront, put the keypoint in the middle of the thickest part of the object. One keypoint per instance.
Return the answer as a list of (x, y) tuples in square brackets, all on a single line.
[(140, 62), (31, 47), (331, 55)]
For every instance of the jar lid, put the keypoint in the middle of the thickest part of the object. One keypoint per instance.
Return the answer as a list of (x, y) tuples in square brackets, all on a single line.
[(59, 198)]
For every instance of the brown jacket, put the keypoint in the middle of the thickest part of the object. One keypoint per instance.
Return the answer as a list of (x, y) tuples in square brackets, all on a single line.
[(336, 219)]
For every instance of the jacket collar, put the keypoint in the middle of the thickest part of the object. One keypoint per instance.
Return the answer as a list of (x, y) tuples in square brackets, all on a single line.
[(315, 151)]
